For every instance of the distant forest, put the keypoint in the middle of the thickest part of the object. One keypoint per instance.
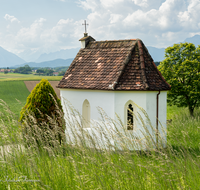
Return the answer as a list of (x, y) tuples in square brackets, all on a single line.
[(46, 71)]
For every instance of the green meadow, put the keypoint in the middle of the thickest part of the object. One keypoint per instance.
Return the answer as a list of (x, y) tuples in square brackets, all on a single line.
[(24, 77), (13, 90), (14, 93), (79, 167)]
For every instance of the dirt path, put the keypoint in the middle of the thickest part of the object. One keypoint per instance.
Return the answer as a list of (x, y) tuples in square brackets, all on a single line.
[(31, 84)]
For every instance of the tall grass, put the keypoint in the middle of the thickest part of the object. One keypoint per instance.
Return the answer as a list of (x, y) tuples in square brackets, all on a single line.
[(79, 165), (184, 131)]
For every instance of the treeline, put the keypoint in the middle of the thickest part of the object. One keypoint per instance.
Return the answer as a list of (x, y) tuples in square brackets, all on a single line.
[(61, 70), (23, 70), (49, 72), (41, 71), (45, 71)]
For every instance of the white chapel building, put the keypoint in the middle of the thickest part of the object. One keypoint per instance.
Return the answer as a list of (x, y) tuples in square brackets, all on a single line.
[(115, 75)]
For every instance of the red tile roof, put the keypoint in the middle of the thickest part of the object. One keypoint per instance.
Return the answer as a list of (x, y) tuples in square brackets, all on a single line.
[(114, 65)]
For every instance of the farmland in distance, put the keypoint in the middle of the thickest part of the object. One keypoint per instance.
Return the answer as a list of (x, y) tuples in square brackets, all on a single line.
[(14, 91)]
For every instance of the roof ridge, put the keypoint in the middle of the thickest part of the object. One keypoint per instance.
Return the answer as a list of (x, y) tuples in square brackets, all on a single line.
[(114, 40), (160, 74), (140, 47), (125, 62), (156, 67)]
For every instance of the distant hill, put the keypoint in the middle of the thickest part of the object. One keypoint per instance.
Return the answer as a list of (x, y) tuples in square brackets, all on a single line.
[(8, 59), (195, 40), (62, 54), (65, 57), (52, 64)]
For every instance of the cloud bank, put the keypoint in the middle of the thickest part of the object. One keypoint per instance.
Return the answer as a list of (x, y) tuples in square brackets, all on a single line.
[(158, 23)]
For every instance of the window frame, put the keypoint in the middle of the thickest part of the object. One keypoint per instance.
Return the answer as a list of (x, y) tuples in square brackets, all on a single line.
[(126, 107), (86, 111)]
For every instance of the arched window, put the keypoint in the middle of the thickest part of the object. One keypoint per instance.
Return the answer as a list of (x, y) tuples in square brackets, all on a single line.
[(129, 115), (86, 114)]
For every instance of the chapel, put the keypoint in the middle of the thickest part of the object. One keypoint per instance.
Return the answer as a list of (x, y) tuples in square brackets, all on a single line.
[(115, 75)]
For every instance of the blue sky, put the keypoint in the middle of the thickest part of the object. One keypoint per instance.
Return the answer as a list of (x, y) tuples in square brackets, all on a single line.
[(32, 27)]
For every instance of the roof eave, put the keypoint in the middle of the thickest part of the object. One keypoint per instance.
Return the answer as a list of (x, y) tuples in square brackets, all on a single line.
[(112, 89)]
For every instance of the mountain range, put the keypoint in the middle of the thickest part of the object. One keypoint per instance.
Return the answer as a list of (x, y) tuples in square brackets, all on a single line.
[(62, 54), (158, 54), (51, 64), (8, 59), (65, 57)]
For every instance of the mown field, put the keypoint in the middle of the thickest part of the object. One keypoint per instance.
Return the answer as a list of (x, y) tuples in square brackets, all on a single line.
[(14, 93), (79, 167), (13, 90), (24, 77)]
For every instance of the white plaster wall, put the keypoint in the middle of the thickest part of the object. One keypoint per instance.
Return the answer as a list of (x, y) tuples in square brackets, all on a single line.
[(82, 44), (114, 102), (151, 103), (163, 115), (122, 97), (139, 98), (96, 98)]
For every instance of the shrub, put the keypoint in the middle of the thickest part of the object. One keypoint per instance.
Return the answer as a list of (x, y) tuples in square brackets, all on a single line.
[(42, 116)]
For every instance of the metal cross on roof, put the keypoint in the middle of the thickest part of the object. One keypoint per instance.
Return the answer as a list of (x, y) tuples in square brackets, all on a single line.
[(85, 26)]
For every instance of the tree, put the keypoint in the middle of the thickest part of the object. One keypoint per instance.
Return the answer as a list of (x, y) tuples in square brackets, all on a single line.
[(23, 70), (40, 71), (42, 103), (45, 71), (61, 73), (49, 72), (181, 69), (5, 71)]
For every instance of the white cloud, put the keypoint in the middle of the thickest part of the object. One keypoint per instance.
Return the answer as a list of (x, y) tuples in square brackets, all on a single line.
[(189, 19), (110, 3), (31, 36), (115, 18), (89, 4), (142, 3), (38, 38), (11, 18), (157, 22)]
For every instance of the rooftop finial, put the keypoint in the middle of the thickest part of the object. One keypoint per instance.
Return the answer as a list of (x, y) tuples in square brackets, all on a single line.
[(85, 34)]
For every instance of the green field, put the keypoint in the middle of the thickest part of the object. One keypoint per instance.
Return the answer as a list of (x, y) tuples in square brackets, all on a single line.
[(78, 167), (11, 91), (12, 87), (67, 167), (174, 110), (24, 77)]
